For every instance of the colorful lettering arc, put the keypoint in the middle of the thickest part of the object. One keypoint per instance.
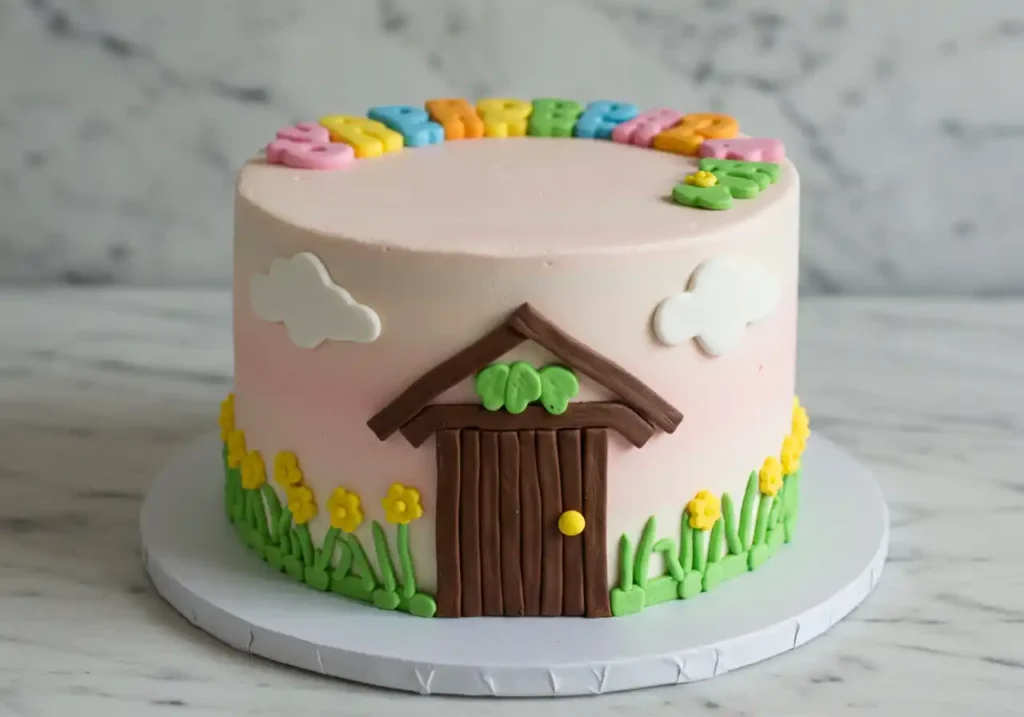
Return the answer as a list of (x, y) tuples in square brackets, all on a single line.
[(736, 167)]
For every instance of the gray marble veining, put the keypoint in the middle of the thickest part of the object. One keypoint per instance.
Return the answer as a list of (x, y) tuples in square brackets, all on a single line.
[(121, 123), (99, 388)]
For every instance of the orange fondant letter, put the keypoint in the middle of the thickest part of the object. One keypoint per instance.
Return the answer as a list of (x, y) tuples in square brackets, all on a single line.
[(459, 119), (687, 136)]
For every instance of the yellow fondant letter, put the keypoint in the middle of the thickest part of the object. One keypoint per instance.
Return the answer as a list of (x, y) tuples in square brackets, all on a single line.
[(367, 137), (504, 117)]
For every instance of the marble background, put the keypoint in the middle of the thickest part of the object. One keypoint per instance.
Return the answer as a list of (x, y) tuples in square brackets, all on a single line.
[(122, 121)]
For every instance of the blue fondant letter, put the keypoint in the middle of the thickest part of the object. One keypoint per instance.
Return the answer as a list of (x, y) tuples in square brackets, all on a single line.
[(602, 116), (413, 123)]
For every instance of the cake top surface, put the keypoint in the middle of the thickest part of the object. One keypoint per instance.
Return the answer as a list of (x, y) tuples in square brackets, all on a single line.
[(511, 178)]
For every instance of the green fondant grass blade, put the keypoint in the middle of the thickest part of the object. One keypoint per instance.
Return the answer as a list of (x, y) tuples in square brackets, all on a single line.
[(699, 551), (625, 562), (776, 512), (284, 524), (274, 506), (643, 553), (715, 543), (344, 558), (326, 552), (361, 564), (732, 537), (239, 492), (259, 513), (305, 544), (387, 569), (405, 559), (686, 543), (670, 553), (761, 527), (747, 511)]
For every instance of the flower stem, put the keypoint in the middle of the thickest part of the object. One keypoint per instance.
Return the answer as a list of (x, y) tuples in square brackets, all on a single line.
[(323, 559), (668, 550), (305, 544), (344, 559), (257, 513), (405, 558), (284, 524), (699, 552), (686, 543)]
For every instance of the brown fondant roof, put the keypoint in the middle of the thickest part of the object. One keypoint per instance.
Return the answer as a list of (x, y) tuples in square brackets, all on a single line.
[(525, 323)]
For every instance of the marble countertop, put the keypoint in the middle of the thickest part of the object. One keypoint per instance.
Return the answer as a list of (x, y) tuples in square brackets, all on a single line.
[(99, 388)]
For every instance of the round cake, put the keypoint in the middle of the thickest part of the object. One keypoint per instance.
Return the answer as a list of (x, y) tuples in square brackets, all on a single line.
[(519, 375)]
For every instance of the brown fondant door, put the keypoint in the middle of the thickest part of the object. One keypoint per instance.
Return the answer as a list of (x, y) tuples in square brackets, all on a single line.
[(499, 547)]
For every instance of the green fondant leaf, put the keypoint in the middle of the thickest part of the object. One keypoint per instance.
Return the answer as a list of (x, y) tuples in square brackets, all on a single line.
[(762, 173), (523, 387), (715, 543), (734, 565), (558, 386), (758, 554), (294, 568), (405, 560), (490, 386), (690, 195), (713, 576)]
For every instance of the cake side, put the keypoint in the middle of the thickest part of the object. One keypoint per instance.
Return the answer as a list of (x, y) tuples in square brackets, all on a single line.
[(431, 304)]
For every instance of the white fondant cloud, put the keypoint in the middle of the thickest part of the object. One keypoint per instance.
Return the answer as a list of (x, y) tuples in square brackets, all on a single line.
[(724, 297), (300, 293)]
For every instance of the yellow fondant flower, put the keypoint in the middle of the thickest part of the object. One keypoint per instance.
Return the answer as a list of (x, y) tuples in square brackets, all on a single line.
[(286, 470), (701, 179), (254, 472), (401, 504), (227, 417), (301, 503), (770, 477), (705, 509), (792, 448), (345, 510), (236, 448)]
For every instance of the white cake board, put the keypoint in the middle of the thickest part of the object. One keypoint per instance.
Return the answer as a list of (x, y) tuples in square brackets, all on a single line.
[(201, 567)]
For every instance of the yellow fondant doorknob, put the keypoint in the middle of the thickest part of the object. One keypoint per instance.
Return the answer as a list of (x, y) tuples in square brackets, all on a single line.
[(571, 523)]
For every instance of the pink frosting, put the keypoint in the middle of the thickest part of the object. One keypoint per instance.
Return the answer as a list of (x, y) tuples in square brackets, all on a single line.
[(443, 242)]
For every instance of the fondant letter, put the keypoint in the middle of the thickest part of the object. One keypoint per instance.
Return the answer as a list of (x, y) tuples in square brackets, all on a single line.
[(308, 146), (747, 149), (412, 123), (553, 117), (504, 117), (642, 129), (602, 116), (459, 119), (687, 136), (367, 137)]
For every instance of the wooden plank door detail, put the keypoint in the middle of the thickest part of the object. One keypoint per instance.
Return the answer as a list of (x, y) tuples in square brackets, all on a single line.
[(571, 471), (500, 495)]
